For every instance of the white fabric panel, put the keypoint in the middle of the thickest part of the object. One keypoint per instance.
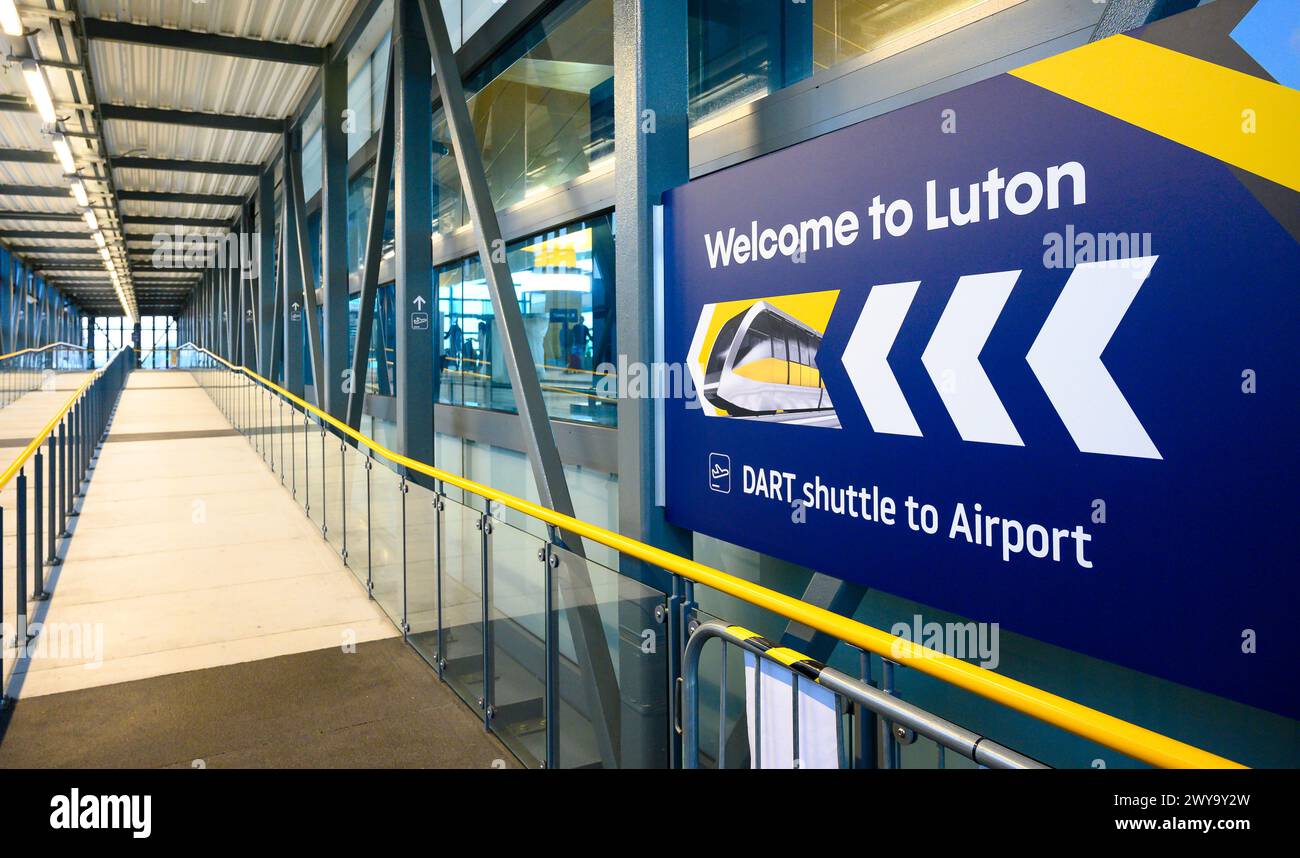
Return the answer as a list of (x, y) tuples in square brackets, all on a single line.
[(818, 742)]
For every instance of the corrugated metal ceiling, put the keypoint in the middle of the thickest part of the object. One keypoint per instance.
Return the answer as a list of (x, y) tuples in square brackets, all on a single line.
[(149, 76)]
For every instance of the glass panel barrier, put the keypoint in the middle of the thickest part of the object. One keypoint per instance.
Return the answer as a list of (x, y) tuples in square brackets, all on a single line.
[(302, 434), (606, 628), (286, 416), (274, 426), (462, 602), (356, 521), (422, 541), (316, 443), (517, 647), (265, 402), (387, 502), (335, 503)]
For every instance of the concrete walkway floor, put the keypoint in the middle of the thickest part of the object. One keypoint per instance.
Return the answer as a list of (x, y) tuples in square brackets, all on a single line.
[(187, 554), (21, 419), (378, 707)]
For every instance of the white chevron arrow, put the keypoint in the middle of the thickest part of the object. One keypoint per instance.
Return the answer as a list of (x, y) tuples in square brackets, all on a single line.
[(1066, 357), (866, 358), (952, 358)]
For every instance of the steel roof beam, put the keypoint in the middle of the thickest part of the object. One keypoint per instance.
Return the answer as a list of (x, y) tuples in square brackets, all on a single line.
[(180, 197), (46, 249), (139, 220), (68, 266), (39, 234), (175, 165), (35, 191), (192, 118), (69, 217), (27, 156), (206, 43)]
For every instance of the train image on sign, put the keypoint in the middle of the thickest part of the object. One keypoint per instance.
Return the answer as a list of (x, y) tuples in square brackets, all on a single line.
[(763, 365)]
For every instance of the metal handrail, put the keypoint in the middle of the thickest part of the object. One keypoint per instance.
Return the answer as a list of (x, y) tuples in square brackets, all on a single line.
[(1131, 739), (39, 349), (27, 452), (970, 745)]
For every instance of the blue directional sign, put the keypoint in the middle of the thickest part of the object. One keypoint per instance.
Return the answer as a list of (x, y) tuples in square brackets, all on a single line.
[(1026, 352)]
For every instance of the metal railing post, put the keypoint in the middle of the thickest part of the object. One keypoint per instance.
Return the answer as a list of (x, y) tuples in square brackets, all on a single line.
[(370, 540), (324, 500), (63, 477), (4, 643), (38, 535), (404, 488), (550, 649), (343, 494), (81, 445), (865, 728), (20, 540), (675, 640), (485, 546), (439, 506), (52, 462), (889, 748)]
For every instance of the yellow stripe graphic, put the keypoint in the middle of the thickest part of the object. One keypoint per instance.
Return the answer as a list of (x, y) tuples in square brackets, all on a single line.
[(1201, 105)]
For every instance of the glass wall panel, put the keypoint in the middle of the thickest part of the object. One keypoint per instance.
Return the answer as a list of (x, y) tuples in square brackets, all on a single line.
[(741, 50), (543, 111), (381, 377), (594, 493), (564, 280)]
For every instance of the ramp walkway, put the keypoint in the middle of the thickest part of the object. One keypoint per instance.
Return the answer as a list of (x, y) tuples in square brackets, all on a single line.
[(198, 618)]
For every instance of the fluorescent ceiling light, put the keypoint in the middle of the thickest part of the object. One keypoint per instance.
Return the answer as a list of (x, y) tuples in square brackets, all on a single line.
[(40, 90), (10, 20), (63, 151), (103, 251), (79, 193), (91, 220), (99, 238)]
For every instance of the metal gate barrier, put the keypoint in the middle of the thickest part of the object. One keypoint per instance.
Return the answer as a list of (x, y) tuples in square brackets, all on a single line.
[(879, 714)]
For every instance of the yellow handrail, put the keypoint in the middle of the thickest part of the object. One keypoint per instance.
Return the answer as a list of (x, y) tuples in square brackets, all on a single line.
[(41, 349), (1115, 733), (30, 450)]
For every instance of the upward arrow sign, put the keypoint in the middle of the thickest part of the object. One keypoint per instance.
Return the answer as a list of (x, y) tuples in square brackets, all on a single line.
[(418, 301)]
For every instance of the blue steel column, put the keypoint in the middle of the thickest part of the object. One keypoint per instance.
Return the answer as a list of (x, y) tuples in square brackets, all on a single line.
[(6, 271), (266, 285), (651, 131), (291, 293), (371, 259), (334, 236), (234, 311), (247, 289), (600, 682), (306, 291), (414, 223)]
